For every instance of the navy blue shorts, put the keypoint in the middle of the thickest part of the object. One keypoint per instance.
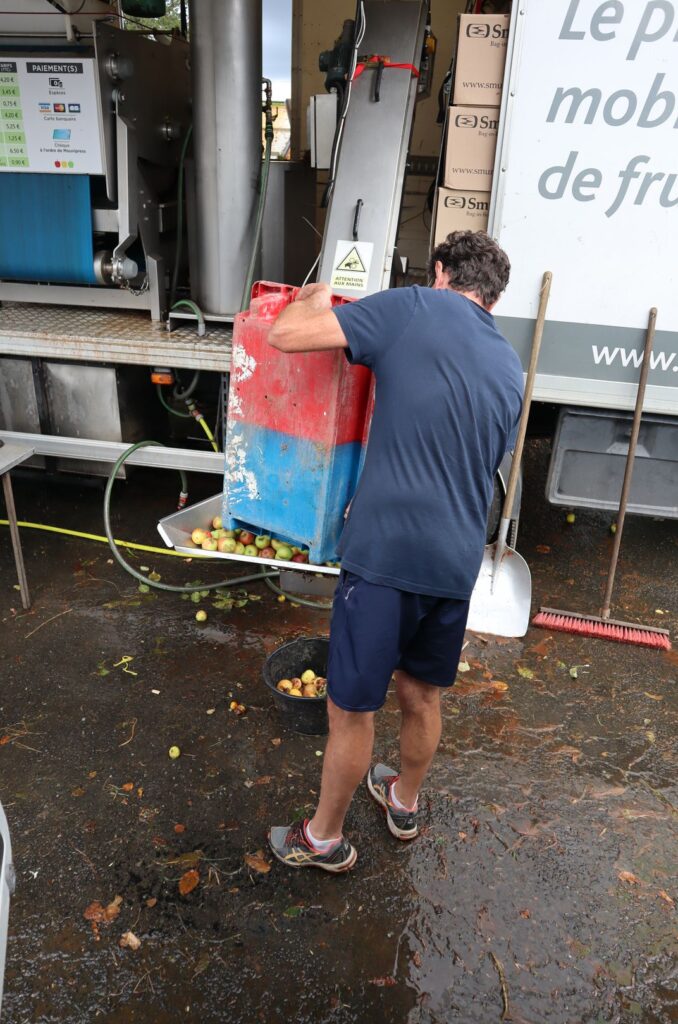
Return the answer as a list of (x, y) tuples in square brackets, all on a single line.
[(376, 630)]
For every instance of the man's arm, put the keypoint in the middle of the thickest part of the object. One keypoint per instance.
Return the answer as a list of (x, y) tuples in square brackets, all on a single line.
[(308, 324)]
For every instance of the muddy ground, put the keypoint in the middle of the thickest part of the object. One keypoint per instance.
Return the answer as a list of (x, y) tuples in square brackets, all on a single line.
[(541, 890)]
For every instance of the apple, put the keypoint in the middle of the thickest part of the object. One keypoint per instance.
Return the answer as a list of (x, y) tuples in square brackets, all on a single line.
[(284, 553), (239, 549), (218, 533), (267, 553), (285, 684), (246, 537), (226, 545), (296, 682), (301, 557), (262, 541), (251, 550), (237, 531), (209, 544), (228, 533), (275, 543), (309, 690), (217, 522), (294, 692), (198, 536), (308, 675)]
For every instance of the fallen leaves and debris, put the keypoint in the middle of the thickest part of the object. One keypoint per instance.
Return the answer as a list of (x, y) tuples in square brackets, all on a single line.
[(189, 881), (236, 708), (525, 673), (128, 940), (96, 913), (663, 895), (505, 1013), (125, 663), (628, 877), (258, 862)]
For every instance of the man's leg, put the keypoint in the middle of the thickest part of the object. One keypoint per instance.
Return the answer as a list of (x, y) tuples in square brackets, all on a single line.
[(347, 759), (420, 732)]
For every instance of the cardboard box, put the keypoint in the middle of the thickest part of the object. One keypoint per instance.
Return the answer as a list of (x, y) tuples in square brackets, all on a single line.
[(470, 147), (460, 210), (481, 56)]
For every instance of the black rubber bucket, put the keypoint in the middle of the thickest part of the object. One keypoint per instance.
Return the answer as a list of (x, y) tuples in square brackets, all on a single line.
[(302, 714)]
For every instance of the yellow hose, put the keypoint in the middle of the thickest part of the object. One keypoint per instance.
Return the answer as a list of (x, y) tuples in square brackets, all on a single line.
[(104, 540), (210, 436)]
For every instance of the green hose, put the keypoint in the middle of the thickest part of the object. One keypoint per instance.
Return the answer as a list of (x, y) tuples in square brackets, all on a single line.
[(130, 568), (164, 404)]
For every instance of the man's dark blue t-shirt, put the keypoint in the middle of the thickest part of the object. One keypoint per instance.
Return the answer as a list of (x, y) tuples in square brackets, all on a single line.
[(448, 401)]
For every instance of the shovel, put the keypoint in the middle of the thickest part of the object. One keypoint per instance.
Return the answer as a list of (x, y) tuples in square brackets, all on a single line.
[(500, 603)]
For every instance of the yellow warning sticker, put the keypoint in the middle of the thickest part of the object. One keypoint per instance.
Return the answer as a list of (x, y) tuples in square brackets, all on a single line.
[(352, 262)]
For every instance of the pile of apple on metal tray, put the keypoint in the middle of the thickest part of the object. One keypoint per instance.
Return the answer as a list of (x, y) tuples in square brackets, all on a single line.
[(306, 685), (243, 542)]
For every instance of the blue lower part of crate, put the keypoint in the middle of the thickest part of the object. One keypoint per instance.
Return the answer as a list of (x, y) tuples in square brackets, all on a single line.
[(290, 487)]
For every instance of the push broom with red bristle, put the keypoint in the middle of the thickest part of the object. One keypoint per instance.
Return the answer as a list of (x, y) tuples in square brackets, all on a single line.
[(602, 626)]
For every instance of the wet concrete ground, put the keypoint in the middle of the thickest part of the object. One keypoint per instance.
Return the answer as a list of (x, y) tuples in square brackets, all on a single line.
[(541, 890)]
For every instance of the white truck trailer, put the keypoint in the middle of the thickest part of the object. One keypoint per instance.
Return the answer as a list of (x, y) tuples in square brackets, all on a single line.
[(586, 185)]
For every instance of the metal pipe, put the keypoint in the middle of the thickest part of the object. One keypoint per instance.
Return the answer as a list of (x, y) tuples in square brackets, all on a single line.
[(226, 66)]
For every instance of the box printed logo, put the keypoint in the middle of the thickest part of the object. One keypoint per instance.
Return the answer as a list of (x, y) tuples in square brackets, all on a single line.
[(466, 121), (477, 31), (457, 201)]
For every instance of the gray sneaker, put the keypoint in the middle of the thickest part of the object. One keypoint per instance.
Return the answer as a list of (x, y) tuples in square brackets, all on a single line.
[(401, 824), (291, 846)]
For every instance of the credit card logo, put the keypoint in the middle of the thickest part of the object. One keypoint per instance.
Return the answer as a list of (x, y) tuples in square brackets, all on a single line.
[(62, 134), (73, 108), (45, 107), (466, 121), (477, 31), (59, 108)]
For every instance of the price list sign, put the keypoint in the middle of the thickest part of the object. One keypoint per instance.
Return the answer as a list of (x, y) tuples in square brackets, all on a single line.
[(13, 151)]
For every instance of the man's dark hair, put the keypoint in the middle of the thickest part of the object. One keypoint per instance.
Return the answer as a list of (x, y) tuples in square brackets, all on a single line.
[(474, 263)]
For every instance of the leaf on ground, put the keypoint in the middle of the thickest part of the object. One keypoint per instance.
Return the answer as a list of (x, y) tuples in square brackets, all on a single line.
[(5, 739), (128, 940), (276, 742), (263, 780), (113, 909), (385, 982), (653, 696), (663, 895), (127, 787), (628, 877), (151, 902), (650, 736), (78, 791), (154, 576), (102, 670), (188, 882), (293, 911), (94, 911), (257, 862), (144, 588), (463, 666), (178, 828), (496, 684), (526, 673), (543, 549)]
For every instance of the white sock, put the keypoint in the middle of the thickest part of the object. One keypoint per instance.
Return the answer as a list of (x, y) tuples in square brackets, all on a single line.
[(399, 806), (321, 845)]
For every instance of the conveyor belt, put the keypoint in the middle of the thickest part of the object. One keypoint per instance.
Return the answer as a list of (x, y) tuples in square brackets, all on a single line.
[(109, 336)]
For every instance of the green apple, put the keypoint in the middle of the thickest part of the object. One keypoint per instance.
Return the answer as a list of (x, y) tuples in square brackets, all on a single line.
[(217, 522), (284, 553), (262, 541), (251, 550), (275, 543), (226, 545), (239, 549)]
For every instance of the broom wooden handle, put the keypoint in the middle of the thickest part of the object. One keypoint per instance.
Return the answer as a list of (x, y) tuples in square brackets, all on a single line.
[(527, 397), (630, 460)]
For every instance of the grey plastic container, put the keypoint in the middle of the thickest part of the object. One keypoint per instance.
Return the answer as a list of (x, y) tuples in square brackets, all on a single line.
[(589, 457)]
